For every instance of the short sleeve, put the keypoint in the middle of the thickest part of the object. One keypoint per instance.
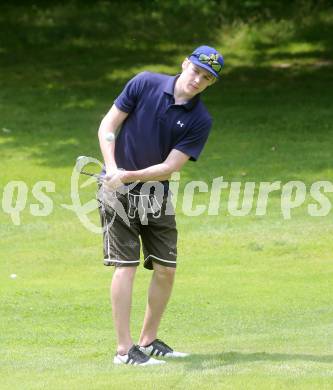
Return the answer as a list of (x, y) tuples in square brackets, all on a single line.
[(195, 139), (128, 98)]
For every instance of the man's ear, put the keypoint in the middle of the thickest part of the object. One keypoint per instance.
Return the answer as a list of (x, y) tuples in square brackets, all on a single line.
[(213, 81), (186, 63)]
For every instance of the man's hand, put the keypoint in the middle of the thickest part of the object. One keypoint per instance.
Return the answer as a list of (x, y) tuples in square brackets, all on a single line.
[(114, 179)]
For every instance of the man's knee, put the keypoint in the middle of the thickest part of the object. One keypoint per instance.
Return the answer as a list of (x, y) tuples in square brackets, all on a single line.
[(162, 272), (124, 272)]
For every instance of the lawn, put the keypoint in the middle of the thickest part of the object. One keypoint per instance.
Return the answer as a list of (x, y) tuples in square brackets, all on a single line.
[(253, 295)]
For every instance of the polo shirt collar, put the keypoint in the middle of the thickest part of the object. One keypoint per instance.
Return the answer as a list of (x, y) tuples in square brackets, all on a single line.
[(169, 88)]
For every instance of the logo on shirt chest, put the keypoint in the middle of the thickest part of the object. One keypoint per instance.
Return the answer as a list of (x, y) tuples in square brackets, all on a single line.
[(180, 124)]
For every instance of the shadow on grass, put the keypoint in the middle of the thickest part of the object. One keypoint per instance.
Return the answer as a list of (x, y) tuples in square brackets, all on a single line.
[(253, 110), (63, 65), (201, 361)]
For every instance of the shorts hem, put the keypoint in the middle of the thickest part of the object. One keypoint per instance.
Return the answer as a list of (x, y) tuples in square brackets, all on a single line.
[(121, 263), (166, 263)]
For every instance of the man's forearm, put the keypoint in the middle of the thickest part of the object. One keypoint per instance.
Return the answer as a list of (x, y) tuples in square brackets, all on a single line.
[(107, 148), (110, 123), (157, 172)]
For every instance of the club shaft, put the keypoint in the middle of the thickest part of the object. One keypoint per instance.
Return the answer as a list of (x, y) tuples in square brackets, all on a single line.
[(98, 177)]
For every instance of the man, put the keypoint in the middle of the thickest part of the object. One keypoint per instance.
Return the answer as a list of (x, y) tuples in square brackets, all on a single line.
[(163, 124)]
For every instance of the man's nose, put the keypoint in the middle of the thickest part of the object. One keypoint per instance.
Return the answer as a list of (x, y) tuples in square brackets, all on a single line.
[(197, 79)]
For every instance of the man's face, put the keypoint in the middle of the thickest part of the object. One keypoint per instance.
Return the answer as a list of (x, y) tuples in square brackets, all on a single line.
[(195, 79)]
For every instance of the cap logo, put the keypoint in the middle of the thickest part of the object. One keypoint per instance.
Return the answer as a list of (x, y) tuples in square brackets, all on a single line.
[(212, 60)]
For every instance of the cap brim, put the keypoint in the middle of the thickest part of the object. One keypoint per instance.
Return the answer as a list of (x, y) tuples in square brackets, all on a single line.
[(195, 61)]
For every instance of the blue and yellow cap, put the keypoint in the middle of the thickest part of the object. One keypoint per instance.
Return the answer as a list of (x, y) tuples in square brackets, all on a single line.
[(208, 58)]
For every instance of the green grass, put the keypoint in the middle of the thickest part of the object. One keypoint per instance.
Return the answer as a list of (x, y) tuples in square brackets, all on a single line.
[(253, 296)]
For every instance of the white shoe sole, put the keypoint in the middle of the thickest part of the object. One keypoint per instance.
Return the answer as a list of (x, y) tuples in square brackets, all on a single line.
[(150, 362), (176, 355), (170, 355)]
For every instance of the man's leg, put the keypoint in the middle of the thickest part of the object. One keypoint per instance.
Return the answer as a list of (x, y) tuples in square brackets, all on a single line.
[(158, 297), (121, 299)]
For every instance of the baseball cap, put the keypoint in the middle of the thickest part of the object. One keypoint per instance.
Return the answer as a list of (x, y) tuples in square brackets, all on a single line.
[(208, 58)]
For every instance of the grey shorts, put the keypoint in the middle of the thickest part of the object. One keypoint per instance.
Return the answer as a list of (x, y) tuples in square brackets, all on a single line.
[(129, 219)]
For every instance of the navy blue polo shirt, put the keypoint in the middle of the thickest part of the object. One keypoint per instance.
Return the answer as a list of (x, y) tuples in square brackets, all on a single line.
[(156, 125)]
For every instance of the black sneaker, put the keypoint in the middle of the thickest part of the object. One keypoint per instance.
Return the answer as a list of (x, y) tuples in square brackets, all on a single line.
[(158, 348), (136, 357)]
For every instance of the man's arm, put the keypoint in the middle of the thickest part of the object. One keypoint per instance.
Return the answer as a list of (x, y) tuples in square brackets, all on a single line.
[(110, 123), (173, 163), (163, 171)]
